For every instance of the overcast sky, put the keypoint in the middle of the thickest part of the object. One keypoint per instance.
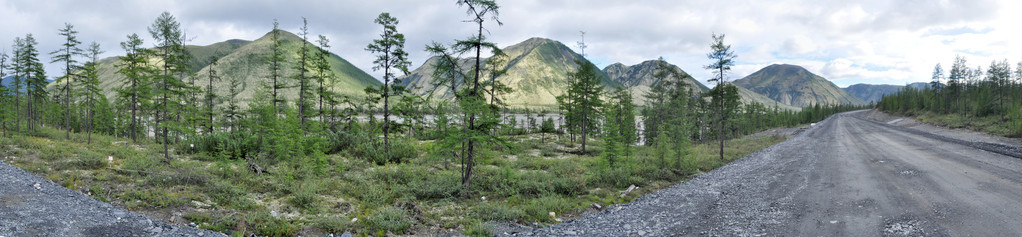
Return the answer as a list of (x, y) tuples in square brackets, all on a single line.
[(848, 42)]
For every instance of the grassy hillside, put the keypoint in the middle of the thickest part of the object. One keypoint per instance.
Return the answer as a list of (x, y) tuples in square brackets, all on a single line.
[(537, 72), (639, 78), (249, 64), (796, 86), (245, 60)]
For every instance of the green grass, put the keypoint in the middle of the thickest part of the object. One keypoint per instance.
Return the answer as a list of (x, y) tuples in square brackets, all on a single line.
[(397, 198), (993, 125)]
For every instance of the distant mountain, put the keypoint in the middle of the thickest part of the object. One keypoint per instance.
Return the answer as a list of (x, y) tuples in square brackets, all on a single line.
[(748, 96), (639, 78), (537, 72), (245, 60), (919, 85), (795, 86), (872, 93), (6, 81)]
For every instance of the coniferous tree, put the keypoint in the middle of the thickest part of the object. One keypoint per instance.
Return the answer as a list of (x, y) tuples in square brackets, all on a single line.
[(304, 82), (723, 59), (276, 61), (18, 69), (90, 86), (169, 39), (35, 81), (478, 119), (67, 55), (136, 88), (390, 56), (323, 76), (5, 95), (210, 94), (585, 91), (619, 123)]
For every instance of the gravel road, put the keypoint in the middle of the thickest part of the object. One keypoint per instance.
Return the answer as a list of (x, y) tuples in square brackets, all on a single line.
[(32, 206), (846, 176)]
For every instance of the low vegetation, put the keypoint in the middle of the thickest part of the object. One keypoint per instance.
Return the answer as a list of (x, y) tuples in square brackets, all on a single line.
[(344, 191), (988, 101)]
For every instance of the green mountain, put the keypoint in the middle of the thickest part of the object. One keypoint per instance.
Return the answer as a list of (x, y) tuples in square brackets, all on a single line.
[(537, 72), (872, 93), (795, 86), (245, 60), (248, 63), (748, 96), (639, 78)]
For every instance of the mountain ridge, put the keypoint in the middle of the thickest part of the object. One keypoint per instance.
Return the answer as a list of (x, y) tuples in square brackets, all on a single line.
[(796, 86)]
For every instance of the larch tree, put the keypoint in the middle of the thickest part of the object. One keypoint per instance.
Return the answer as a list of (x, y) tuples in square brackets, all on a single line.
[(169, 40), (5, 94), (585, 91), (90, 86), (324, 76), (18, 70), (276, 61), (390, 57), (35, 80), (302, 76), (136, 87), (472, 102), (66, 55), (210, 94), (723, 58)]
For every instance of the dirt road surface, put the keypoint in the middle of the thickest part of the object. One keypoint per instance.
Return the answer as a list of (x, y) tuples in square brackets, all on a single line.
[(845, 176)]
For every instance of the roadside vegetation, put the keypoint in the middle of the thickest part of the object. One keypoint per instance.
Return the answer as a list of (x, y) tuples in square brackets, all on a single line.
[(988, 100), (169, 147)]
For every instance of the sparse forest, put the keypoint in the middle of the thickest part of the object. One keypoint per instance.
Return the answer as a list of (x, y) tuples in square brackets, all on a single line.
[(168, 139), (962, 97)]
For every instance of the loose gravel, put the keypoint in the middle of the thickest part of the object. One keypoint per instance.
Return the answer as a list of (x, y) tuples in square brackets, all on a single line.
[(844, 176), (33, 206)]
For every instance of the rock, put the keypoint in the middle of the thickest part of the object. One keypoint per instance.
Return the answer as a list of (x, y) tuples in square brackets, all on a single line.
[(629, 190), (37, 186), (570, 233), (596, 206), (274, 214), (346, 234), (353, 220), (553, 215)]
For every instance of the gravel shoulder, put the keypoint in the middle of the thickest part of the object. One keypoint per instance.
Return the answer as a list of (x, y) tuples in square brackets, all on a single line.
[(33, 206), (845, 176)]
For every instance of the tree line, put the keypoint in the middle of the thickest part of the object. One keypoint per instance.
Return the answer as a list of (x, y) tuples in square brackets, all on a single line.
[(966, 92), (162, 101)]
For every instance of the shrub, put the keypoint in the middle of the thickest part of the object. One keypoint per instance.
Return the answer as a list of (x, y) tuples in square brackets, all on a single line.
[(305, 200), (267, 225), (388, 219), (371, 149)]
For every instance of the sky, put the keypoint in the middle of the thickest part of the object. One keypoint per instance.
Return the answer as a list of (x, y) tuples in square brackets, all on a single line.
[(847, 42)]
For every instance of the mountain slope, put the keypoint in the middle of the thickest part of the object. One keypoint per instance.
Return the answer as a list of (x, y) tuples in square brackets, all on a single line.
[(537, 72), (795, 86), (639, 78), (747, 96), (248, 64), (245, 60), (871, 93)]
